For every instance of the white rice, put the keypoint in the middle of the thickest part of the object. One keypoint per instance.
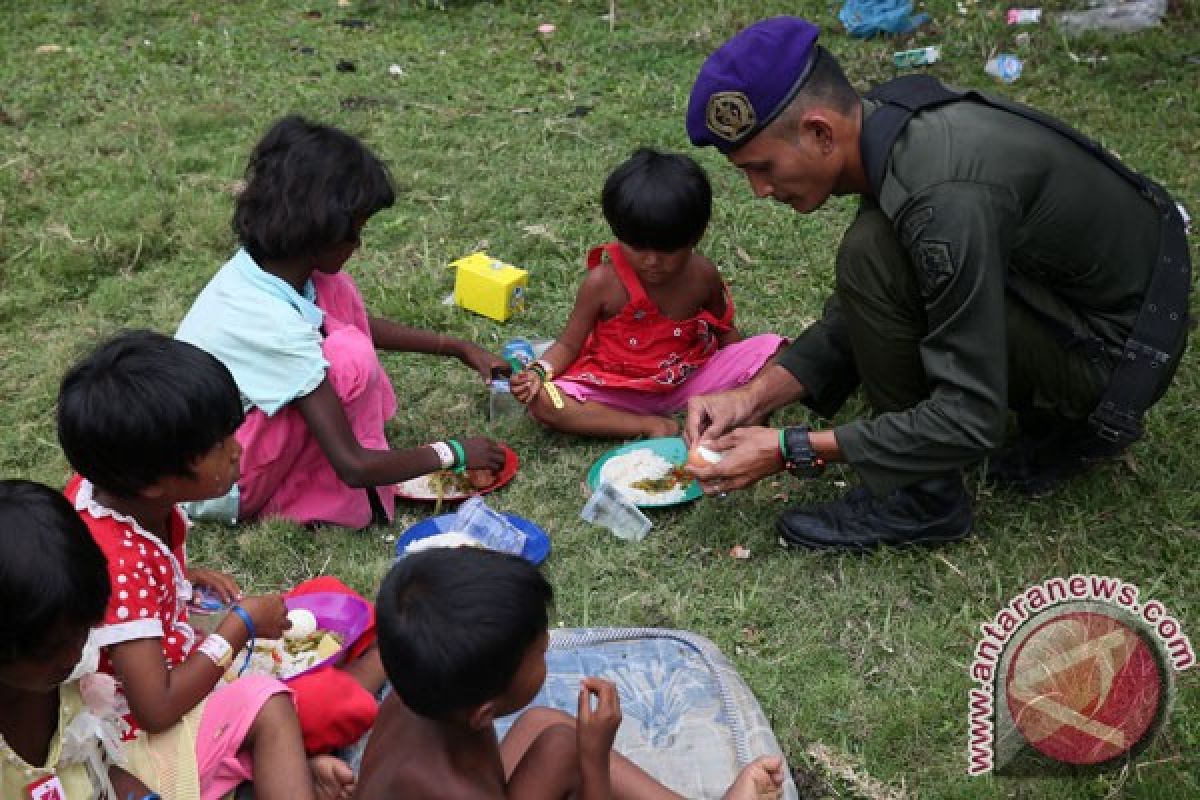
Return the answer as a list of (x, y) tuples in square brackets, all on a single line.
[(422, 487), (639, 465)]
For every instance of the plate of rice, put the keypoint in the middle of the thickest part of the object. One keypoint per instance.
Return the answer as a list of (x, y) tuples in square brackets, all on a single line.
[(649, 472), (451, 487)]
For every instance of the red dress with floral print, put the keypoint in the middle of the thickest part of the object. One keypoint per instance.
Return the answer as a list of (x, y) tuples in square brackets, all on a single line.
[(149, 589), (641, 348)]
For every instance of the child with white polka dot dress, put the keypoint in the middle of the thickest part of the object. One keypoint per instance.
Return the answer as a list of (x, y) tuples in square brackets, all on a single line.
[(147, 422)]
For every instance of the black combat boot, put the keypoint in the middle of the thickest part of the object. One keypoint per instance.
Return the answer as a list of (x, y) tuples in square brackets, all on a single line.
[(933, 511), (1048, 450)]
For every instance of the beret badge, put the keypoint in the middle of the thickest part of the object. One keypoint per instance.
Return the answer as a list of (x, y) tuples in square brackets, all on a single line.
[(730, 115)]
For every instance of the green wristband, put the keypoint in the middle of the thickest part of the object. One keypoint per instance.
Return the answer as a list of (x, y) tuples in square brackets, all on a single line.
[(783, 446), (460, 455)]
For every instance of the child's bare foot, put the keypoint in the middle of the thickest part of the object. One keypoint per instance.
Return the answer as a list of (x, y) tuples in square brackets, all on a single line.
[(332, 778), (762, 779), (661, 426)]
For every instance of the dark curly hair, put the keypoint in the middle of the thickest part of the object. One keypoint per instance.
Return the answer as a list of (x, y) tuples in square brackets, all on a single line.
[(308, 187)]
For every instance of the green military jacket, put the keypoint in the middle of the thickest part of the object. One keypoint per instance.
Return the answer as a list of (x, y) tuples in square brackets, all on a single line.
[(982, 199)]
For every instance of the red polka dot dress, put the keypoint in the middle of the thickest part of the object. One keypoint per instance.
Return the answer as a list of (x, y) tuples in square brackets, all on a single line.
[(149, 588), (641, 348)]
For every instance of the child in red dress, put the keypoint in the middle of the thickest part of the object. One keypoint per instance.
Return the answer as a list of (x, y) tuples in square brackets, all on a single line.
[(653, 321), (148, 423)]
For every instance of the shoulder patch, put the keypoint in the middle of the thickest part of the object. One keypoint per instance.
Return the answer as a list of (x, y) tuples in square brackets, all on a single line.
[(935, 266), (914, 224)]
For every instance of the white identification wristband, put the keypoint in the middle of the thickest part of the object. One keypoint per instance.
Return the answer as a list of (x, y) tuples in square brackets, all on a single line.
[(444, 453), (216, 648)]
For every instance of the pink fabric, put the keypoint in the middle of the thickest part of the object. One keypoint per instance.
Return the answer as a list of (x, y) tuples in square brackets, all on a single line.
[(228, 714), (284, 471), (731, 366)]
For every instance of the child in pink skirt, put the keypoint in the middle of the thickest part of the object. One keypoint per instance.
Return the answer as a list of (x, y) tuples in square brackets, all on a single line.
[(653, 321), (147, 421), (290, 324)]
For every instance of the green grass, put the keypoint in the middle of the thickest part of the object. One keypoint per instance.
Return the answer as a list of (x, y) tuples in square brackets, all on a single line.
[(117, 161)]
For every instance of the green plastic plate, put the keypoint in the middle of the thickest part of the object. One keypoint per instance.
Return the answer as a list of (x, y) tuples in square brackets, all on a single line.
[(672, 448)]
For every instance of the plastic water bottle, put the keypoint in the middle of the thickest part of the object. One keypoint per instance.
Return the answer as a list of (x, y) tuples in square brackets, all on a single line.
[(490, 528), (518, 353), (1005, 66), (610, 508)]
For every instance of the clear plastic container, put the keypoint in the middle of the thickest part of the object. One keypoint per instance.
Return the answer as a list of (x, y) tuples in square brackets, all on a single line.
[(488, 527), (501, 402), (611, 509)]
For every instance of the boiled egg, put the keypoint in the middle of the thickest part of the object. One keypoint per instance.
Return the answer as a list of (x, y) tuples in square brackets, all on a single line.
[(304, 623), (701, 456)]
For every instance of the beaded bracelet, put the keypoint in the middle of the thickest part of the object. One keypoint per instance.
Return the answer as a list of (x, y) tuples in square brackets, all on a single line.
[(543, 370), (241, 612), (460, 460)]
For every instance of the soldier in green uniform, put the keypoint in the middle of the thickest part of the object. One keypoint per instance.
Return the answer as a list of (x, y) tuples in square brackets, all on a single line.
[(994, 264)]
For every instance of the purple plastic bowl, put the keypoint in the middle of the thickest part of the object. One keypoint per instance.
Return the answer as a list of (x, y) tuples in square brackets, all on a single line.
[(344, 614)]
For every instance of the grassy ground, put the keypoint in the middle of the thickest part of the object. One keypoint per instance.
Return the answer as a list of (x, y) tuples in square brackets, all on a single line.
[(118, 158)]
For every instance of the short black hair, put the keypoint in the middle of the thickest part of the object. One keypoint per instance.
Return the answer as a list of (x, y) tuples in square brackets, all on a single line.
[(308, 187), (455, 623), (51, 570), (658, 201), (143, 406), (827, 86)]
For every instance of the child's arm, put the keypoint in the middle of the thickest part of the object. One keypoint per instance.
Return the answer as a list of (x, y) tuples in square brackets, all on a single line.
[(359, 466), (595, 730), (718, 301), (589, 305), (158, 696), (125, 785), (395, 337)]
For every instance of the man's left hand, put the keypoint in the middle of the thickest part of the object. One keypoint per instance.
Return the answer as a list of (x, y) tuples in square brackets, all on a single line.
[(748, 456)]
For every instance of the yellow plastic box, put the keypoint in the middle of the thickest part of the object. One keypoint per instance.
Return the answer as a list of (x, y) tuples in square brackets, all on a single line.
[(488, 286)]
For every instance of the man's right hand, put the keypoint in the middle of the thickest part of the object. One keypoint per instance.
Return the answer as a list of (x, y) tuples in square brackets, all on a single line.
[(713, 415), (483, 453)]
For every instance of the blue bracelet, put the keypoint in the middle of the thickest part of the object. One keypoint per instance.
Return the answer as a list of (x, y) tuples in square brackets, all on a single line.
[(150, 796), (241, 612)]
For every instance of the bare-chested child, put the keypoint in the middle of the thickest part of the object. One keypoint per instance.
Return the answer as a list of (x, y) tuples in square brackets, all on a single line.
[(463, 635)]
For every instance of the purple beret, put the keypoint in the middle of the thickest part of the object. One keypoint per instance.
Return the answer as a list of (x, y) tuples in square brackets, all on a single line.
[(749, 80)]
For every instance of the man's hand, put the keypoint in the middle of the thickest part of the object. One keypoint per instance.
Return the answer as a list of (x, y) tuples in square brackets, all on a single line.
[(713, 415), (525, 385), (481, 360), (224, 586), (748, 456)]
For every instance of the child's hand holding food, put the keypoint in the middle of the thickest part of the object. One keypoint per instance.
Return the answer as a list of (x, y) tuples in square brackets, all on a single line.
[(483, 453), (268, 613), (597, 727), (525, 385)]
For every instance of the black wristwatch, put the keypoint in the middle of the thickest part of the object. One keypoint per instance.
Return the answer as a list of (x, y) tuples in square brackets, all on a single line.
[(798, 454)]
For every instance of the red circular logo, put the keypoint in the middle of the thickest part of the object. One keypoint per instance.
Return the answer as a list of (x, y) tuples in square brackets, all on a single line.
[(1084, 688)]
